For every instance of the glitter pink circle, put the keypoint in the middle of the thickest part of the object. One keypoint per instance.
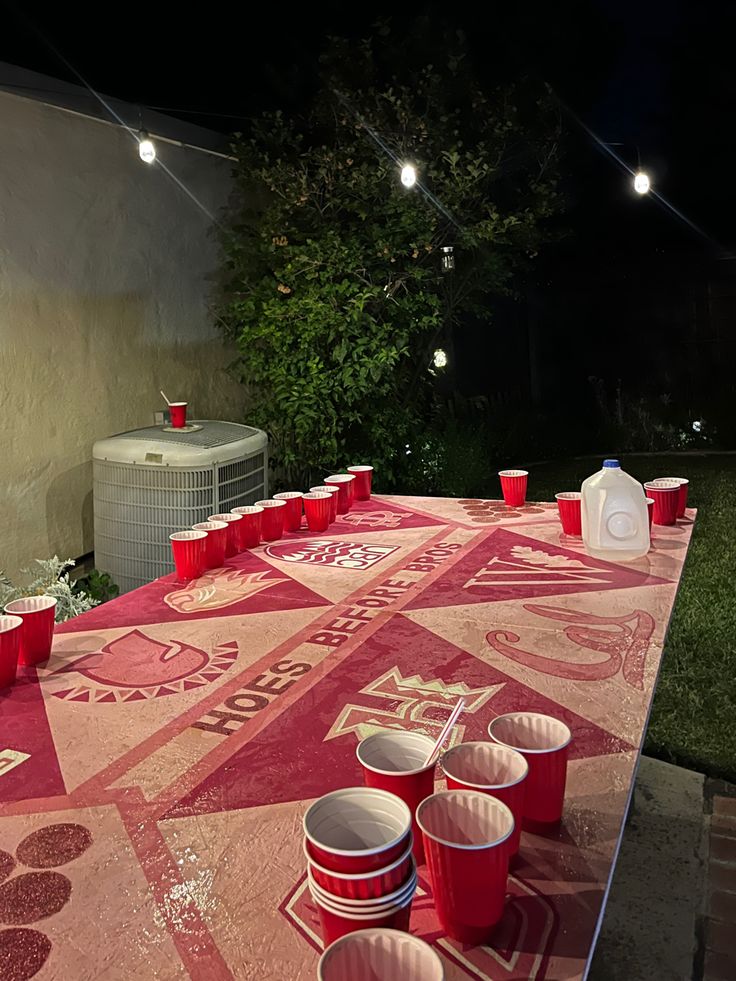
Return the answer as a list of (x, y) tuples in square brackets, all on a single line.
[(7, 864), (53, 845), (33, 896), (22, 953)]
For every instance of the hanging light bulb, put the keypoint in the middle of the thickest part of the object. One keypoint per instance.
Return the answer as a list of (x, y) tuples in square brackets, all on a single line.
[(146, 147), (408, 175), (439, 359), (641, 182)]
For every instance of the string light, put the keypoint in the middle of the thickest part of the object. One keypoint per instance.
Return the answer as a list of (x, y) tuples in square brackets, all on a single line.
[(146, 148), (642, 184), (439, 360), (408, 175)]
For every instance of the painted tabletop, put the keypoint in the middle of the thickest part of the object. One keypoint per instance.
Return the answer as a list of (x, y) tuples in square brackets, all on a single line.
[(154, 773)]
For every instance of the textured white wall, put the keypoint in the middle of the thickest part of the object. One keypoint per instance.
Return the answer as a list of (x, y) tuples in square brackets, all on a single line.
[(105, 269)]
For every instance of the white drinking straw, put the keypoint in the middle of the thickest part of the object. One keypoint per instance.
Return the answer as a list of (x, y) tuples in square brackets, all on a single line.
[(164, 395), (446, 729)]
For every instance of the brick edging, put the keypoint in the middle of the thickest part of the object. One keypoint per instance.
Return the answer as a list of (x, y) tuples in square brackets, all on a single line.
[(717, 956)]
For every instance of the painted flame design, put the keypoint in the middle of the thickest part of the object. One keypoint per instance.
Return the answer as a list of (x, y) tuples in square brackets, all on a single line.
[(217, 589)]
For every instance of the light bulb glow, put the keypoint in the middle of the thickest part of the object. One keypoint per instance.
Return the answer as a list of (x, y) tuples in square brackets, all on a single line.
[(697, 426), (641, 182), (439, 360), (408, 175), (146, 150)]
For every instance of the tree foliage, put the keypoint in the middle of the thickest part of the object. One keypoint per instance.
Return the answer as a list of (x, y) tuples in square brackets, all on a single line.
[(332, 285)]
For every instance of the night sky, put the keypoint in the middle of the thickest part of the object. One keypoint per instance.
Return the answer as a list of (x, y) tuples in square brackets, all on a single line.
[(658, 75)]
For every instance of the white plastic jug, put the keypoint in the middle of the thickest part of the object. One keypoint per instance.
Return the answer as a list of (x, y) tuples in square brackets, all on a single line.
[(614, 515)]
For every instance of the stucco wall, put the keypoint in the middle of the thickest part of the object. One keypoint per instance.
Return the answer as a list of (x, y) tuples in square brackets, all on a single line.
[(104, 279)]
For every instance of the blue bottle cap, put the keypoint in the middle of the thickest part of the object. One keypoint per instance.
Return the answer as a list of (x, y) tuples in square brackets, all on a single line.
[(611, 463)]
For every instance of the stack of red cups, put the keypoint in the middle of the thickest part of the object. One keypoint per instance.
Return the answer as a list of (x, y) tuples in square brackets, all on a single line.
[(358, 844)]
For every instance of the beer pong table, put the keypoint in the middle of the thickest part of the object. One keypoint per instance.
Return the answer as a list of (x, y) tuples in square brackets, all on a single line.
[(154, 773)]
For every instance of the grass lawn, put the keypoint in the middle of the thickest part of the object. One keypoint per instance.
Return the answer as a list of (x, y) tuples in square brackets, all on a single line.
[(693, 720)]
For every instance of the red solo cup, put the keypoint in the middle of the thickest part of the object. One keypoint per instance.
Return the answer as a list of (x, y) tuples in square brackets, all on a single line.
[(189, 549), (232, 546), (489, 768), (364, 885), (10, 628), (317, 506), (357, 829), (336, 923), (37, 632), (394, 761), (379, 904), (272, 519), (513, 486), (465, 836), (568, 504), (650, 510), (387, 954), (178, 414), (214, 550), (344, 483), (363, 479), (334, 491), (682, 499), (293, 512), (249, 526), (666, 494), (543, 742)]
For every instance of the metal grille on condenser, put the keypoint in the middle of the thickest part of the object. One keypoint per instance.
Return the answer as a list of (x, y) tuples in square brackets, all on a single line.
[(242, 482), (211, 434)]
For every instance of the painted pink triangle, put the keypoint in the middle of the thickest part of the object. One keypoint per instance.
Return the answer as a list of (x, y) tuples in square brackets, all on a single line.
[(166, 691), (401, 650), (232, 643), (192, 684), (82, 697), (509, 566), (109, 697), (134, 696), (209, 675)]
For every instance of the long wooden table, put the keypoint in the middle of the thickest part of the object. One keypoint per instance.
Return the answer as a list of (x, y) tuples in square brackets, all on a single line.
[(153, 775)]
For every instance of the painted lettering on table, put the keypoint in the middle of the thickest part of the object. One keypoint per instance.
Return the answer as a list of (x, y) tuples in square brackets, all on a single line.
[(381, 597), (415, 704), (624, 640), (252, 698)]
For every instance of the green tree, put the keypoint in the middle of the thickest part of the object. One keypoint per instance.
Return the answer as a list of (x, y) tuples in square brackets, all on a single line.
[(332, 284)]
